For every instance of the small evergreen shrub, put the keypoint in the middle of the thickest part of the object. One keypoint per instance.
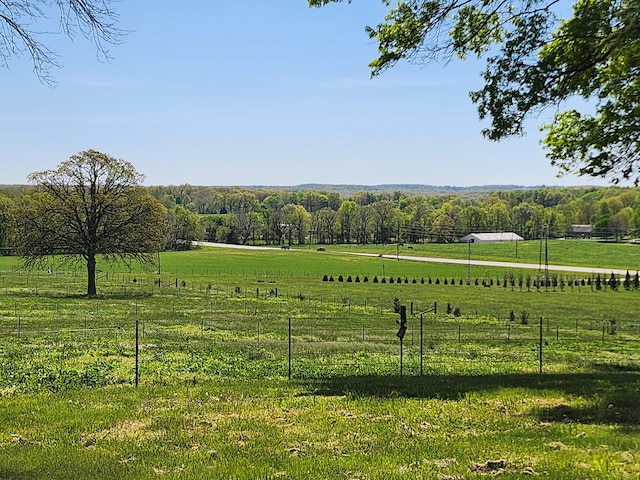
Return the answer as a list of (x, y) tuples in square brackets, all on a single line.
[(396, 305)]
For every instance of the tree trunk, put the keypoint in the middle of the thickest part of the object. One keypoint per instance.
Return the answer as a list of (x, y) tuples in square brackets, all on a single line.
[(91, 276)]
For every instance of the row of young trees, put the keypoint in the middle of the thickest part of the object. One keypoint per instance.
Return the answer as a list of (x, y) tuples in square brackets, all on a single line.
[(242, 215), (537, 281)]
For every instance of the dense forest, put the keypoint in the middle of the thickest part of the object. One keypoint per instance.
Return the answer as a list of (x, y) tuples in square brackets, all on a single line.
[(278, 215)]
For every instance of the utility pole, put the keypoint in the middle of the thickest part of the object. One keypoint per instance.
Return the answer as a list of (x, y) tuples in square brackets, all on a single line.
[(546, 259), (468, 262)]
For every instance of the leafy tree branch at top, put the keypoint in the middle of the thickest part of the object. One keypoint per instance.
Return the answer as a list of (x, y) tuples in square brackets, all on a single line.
[(535, 59)]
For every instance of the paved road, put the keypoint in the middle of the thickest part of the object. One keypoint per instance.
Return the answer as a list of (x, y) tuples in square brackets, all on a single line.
[(231, 245), (455, 261)]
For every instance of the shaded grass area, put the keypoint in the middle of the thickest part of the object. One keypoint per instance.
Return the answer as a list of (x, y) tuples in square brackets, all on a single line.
[(613, 396), (555, 426)]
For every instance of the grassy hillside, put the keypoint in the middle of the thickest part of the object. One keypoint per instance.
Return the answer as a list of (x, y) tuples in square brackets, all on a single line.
[(215, 401)]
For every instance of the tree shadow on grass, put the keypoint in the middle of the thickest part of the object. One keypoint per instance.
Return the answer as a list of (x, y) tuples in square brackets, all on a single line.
[(612, 398)]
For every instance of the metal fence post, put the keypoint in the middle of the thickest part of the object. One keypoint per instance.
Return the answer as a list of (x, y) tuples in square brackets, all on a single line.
[(137, 353), (401, 356), (289, 348), (421, 342), (540, 352)]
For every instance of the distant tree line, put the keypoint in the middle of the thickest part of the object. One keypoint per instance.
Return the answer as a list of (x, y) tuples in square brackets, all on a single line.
[(271, 216), (277, 216)]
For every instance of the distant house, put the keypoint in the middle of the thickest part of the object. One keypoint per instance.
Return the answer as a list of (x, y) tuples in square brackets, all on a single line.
[(580, 231), (491, 237)]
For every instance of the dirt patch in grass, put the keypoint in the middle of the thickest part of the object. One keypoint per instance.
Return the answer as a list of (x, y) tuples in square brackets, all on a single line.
[(127, 430)]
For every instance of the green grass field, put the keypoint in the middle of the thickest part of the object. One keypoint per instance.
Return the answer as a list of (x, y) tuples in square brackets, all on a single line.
[(215, 401), (559, 252)]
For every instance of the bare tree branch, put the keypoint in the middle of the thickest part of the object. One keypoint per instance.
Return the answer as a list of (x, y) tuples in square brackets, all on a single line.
[(20, 37)]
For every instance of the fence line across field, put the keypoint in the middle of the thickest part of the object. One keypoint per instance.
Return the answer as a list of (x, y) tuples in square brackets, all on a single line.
[(316, 328), (305, 343)]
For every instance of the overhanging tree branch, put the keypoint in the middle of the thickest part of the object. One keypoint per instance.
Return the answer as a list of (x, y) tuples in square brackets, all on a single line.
[(536, 60), (93, 19)]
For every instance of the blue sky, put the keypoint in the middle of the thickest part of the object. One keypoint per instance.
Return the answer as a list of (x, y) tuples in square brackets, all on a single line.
[(258, 93)]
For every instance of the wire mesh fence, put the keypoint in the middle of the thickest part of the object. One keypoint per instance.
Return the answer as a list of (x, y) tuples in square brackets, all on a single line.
[(70, 351), (154, 328)]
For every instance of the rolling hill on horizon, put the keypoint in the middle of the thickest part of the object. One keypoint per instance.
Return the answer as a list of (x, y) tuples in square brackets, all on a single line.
[(412, 189)]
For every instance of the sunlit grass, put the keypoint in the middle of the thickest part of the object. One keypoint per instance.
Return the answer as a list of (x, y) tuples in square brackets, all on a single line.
[(214, 399), (556, 426)]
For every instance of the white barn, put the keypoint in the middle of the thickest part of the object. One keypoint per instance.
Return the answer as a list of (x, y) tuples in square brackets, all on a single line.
[(491, 237)]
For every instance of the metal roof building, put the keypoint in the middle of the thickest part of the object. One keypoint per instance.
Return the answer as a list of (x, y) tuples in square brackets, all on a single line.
[(491, 237)]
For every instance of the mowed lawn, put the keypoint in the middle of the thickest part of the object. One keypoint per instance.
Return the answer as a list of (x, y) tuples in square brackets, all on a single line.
[(214, 399), (574, 252)]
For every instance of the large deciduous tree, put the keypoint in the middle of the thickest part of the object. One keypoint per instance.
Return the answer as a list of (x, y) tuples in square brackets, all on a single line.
[(90, 207), (26, 24), (537, 59)]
